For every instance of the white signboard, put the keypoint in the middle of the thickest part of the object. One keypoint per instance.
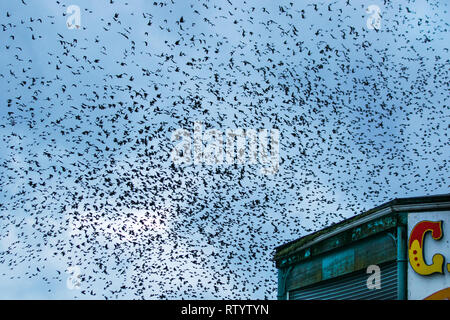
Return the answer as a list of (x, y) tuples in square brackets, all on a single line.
[(429, 255)]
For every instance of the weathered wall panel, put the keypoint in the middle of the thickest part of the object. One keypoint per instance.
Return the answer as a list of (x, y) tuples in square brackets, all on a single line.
[(375, 250), (352, 287)]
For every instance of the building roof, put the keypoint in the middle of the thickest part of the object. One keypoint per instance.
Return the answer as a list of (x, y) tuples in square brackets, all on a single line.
[(396, 205)]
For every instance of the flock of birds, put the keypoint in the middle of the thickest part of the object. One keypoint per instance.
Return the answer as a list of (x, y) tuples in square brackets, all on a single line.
[(87, 116)]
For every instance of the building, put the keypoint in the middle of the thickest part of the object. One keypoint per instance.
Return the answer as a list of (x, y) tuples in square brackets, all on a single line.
[(399, 250)]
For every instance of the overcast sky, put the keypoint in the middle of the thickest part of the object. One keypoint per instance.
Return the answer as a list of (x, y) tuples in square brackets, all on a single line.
[(362, 114)]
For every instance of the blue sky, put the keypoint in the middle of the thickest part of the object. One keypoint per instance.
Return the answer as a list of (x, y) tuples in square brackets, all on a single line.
[(363, 118)]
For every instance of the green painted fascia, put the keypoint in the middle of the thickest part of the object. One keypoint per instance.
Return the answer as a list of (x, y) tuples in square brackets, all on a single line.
[(294, 255), (289, 252)]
